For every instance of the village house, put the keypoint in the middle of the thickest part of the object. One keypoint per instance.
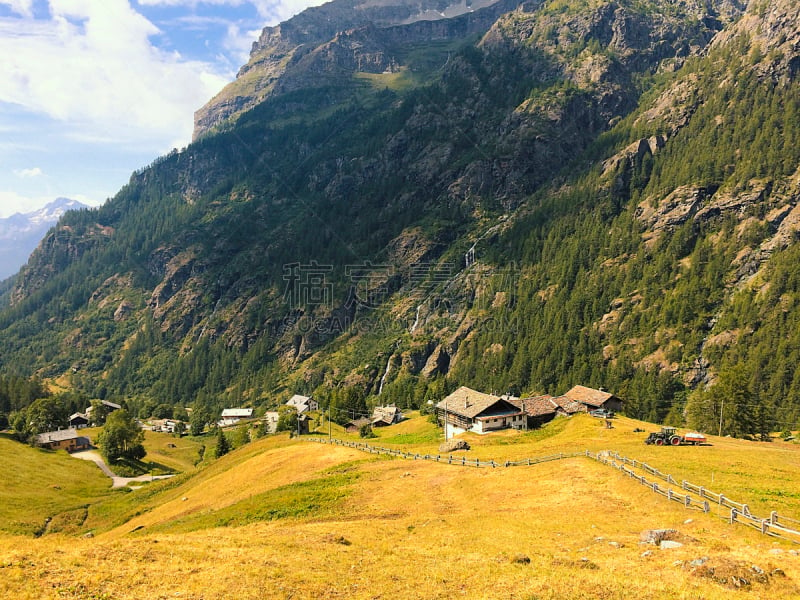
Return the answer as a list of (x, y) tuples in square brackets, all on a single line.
[(543, 409), (355, 425), (164, 425), (108, 406), (303, 403), (64, 439), (78, 420), (231, 416), (271, 421), (470, 410), (383, 416), (593, 399)]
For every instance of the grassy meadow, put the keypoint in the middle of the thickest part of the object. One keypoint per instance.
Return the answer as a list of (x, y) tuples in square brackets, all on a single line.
[(288, 518)]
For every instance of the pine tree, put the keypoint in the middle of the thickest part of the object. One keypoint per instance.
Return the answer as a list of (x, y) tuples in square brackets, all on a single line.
[(223, 447)]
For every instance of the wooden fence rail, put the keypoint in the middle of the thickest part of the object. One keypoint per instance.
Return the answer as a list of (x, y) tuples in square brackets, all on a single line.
[(447, 458), (776, 525)]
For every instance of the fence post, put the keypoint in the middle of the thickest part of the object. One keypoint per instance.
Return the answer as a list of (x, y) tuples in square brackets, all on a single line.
[(721, 499), (764, 526), (773, 517), (655, 487), (706, 507), (733, 515), (746, 510), (669, 494), (687, 501)]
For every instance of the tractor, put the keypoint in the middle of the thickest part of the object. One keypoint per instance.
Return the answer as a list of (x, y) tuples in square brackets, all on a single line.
[(669, 436)]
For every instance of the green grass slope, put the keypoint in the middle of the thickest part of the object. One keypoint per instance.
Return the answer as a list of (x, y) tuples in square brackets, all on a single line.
[(284, 517), (45, 490)]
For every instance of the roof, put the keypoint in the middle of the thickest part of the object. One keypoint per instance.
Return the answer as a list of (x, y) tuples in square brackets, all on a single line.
[(359, 423), (297, 401), (57, 436), (242, 413), (537, 406), (385, 413), (78, 415), (106, 403), (470, 403), (568, 406), (588, 396)]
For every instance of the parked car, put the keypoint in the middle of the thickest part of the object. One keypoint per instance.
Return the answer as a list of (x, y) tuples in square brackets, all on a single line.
[(602, 413)]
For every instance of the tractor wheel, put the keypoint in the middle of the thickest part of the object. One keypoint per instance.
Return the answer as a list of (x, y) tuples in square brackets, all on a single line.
[(675, 441), (659, 442)]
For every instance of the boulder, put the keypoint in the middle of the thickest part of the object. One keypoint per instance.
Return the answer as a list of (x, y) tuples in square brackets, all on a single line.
[(453, 445)]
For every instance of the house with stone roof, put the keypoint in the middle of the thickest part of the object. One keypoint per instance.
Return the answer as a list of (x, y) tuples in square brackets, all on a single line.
[(63, 439), (303, 403), (383, 416), (593, 399), (469, 410)]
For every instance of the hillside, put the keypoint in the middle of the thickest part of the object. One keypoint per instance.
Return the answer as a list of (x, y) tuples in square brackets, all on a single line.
[(283, 517), (519, 198)]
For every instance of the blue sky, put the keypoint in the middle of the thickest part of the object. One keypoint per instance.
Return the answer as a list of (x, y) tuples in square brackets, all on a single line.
[(91, 90)]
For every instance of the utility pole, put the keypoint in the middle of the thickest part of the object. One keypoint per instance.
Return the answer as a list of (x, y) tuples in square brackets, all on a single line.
[(445, 420), (721, 409), (329, 423)]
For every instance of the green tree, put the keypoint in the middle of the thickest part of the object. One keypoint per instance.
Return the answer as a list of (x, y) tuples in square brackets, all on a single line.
[(99, 413), (287, 419), (223, 446), (45, 414), (121, 437), (199, 419), (726, 407)]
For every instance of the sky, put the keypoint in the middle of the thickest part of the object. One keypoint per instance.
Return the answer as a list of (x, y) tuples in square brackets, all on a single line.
[(91, 90)]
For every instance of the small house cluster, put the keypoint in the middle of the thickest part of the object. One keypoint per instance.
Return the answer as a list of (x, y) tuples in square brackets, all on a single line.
[(469, 410), (80, 420)]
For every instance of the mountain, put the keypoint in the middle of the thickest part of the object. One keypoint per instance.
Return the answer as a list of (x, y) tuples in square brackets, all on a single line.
[(518, 197), (21, 233)]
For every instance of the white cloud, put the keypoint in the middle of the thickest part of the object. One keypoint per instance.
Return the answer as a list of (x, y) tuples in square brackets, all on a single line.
[(29, 173), (20, 7), (92, 65)]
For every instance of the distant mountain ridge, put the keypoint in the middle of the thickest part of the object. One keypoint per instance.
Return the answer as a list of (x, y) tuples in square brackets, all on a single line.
[(21, 233)]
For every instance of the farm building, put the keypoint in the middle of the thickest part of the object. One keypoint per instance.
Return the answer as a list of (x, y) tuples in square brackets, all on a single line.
[(303, 403), (231, 416), (64, 439), (543, 409), (593, 399), (470, 410), (383, 416), (355, 425), (78, 420)]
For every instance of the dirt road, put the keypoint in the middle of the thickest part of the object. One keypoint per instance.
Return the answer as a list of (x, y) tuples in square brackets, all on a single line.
[(118, 482)]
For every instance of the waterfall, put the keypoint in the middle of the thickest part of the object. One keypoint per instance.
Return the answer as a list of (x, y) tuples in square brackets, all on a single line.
[(385, 374), (416, 319)]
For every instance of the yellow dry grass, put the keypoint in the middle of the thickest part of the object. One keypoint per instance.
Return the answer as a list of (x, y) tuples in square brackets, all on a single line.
[(413, 529)]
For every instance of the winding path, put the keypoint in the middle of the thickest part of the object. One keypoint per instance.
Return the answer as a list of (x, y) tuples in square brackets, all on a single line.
[(118, 482)]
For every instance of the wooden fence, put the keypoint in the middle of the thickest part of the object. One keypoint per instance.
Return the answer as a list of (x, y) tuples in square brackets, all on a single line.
[(448, 459), (776, 525)]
